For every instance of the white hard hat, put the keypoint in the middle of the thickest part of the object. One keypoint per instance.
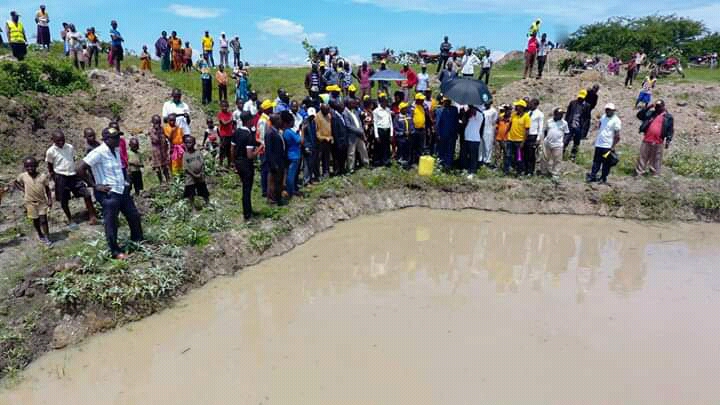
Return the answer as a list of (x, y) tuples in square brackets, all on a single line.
[(610, 106)]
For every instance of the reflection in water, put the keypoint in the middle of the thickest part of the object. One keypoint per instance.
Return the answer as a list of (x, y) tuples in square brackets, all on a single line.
[(421, 307)]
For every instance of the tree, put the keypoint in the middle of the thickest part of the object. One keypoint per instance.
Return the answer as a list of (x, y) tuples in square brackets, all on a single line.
[(622, 37), (310, 50)]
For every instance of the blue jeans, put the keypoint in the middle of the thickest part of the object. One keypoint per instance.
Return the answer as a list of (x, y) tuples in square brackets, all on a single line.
[(292, 173), (113, 204), (209, 58)]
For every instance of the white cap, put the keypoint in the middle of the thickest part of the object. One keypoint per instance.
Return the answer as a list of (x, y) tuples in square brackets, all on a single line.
[(610, 106), (222, 33), (311, 112)]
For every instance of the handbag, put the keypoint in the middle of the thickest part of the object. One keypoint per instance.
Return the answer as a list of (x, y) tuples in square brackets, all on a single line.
[(612, 159)]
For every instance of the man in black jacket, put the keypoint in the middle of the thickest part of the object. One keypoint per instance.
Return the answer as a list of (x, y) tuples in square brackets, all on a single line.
[(275, 157), (657, 128), (340, 138)]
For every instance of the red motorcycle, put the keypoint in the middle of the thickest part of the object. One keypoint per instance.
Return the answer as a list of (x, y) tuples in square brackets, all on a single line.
[(667, 66)]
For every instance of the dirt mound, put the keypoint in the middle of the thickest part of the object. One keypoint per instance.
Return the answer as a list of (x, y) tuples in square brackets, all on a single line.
[(27, 122), (690, 104)]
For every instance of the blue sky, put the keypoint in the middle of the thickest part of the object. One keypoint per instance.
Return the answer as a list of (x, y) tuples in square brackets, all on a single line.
[(271, 31)]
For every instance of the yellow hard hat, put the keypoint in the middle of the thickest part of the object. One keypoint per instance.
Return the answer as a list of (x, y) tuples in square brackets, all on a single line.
[(322, 64), (582, 93), (366, 97), (520, 103), (420, 96), (266, 105), (382, 95), (402, 105), (352, 88), (333, 87)]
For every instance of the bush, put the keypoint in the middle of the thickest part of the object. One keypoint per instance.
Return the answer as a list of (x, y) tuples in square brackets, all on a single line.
[(43, 75)]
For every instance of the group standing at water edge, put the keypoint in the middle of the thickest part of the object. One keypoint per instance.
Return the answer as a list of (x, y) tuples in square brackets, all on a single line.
[(347, 121)]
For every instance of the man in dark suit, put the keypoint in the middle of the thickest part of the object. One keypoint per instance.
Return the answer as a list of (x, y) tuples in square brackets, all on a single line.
[(340, 138), (275, 157), (355, 135)]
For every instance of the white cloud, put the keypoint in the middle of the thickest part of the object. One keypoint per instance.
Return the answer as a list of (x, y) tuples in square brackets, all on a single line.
[(184, 10), (285, 59), (289, 30)]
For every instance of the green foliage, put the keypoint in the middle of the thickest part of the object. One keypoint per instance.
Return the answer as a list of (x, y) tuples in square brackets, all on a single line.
[(708, 200), (309, 50), (43, 75), (703, 46), (693, 164), (622, 36)]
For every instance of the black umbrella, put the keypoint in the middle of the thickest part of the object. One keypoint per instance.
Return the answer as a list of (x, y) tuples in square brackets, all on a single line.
[(466, 91), (387, 75)]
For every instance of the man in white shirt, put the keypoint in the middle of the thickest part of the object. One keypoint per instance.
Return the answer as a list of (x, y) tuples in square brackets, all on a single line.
[(474, 128), (60, 158), (180, 109), (251, 105), (488, 137), (468, 64), (383, 128), (537, 122), (423, 80), (111, 190), (542, 55), (607, 138), (555, 132), (486, 63)]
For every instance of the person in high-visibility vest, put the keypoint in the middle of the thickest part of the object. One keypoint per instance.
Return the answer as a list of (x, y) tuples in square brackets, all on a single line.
[(16, 36)]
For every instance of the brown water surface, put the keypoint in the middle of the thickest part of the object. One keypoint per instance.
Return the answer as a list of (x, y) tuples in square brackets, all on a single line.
[(426, 307)]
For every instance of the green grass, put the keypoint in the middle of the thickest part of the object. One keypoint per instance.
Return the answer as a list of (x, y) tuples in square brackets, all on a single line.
[(699, 74), (267, 80)]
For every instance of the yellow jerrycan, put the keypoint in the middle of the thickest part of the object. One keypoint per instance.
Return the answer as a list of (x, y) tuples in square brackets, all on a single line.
[(426, 166)]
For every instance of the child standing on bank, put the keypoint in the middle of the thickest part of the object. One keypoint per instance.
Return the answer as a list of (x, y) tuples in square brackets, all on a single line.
[(159, 146), (194, 168), (135, 165), (211, 138), (145, 59), (38, 198)]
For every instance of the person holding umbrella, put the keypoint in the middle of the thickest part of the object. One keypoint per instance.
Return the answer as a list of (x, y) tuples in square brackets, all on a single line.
[(382, 118), (447, 126)]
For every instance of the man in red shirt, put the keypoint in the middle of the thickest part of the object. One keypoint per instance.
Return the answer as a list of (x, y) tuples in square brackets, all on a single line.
[(410, 80), (657, 128), (227, 128), (530, 55)]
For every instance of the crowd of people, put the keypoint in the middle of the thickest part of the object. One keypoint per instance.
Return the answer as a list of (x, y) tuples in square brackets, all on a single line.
[(347, 121)]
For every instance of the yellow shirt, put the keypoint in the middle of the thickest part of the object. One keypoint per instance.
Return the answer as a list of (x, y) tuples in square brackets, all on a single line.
[(520, 125), (419, 117), (207, 43)]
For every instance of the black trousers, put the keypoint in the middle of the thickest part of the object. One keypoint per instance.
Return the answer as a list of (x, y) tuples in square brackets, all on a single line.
[(417, 145), (441, 63), (541, 64), (206, 91), (112, 205), (136, 181), (528, 153), (382, 155), (247, 175), (472, 154), (600, 164), (485, 75), (340, 159), (324, 157), (629, 77)]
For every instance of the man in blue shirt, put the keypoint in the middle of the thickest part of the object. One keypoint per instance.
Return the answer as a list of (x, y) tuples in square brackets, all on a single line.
[(116, 45)]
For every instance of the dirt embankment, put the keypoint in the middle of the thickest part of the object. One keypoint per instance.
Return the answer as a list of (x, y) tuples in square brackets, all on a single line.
[(692, 104)]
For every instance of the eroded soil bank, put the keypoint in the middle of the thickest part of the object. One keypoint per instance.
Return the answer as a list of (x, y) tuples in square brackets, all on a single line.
[(425, 307)]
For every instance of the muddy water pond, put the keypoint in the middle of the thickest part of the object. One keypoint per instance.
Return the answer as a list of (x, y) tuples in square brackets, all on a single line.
[(426, 307)]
